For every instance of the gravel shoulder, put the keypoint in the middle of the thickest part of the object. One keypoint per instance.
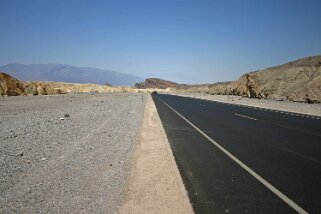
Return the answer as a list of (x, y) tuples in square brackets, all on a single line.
[(76, 165), (155, 184), (301, 108)]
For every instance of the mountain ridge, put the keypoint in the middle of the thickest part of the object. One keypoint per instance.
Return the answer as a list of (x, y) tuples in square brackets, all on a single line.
[(68, 73)]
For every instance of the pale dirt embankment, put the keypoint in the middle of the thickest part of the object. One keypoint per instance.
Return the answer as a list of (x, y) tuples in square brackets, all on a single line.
[(155, 184), (301, 108)]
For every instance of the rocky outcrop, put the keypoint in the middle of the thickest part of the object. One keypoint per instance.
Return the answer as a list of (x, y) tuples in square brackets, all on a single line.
[(160, 84), (10, 86), (219, 88), (298, 81)]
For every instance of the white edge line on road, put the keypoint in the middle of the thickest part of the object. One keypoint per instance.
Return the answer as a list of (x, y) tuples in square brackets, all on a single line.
[(298, 114), (278, 193)]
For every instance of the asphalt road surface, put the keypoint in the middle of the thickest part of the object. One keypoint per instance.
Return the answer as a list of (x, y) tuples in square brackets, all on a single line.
[(236, 159)]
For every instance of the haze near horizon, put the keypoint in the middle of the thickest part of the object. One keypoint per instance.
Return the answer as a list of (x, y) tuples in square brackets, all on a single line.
[(183, 41)]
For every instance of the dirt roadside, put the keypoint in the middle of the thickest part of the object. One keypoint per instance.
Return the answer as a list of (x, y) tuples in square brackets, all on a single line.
[(80, 164), (155, 185)]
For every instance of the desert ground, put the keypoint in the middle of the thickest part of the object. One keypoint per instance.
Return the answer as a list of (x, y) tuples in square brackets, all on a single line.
[(67, 153)]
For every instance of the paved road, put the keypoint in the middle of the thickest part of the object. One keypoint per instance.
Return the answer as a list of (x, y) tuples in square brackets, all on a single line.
[(263, 161)]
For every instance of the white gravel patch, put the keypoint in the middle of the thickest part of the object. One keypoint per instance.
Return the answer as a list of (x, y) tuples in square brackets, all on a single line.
[(78, 164)]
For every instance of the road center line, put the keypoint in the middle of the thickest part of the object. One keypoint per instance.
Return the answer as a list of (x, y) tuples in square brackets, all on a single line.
[(278, 193), (241, 115)]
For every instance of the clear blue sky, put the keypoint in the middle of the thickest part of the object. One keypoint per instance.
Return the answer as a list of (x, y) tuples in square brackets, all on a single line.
[(188, 41)]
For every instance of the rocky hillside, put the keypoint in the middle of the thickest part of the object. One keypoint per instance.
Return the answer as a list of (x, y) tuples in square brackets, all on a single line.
[(10, 86), (159, 84), (298, 81)]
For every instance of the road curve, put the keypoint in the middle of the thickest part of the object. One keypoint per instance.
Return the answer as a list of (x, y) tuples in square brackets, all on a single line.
[(280, 149)]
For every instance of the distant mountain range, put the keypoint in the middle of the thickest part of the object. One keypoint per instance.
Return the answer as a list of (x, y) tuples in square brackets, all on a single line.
[(68, 73)]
